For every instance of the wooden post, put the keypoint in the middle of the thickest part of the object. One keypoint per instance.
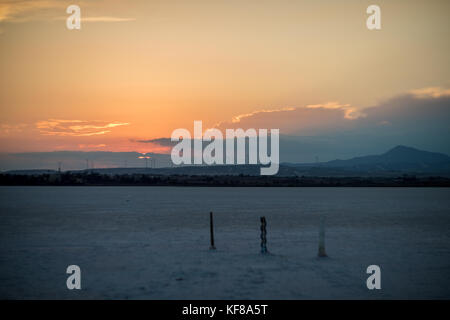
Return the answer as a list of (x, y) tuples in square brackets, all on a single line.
[(322, 252), (211, 227), (263, 236)]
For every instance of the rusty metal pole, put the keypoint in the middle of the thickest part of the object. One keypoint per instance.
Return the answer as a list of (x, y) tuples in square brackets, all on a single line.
[(211, 227), (263, 236)]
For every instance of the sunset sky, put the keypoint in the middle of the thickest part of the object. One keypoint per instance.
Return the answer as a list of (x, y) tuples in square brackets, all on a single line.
[(138, 69)]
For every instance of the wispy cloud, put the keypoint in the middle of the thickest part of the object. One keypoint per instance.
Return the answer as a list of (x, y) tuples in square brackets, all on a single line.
[(100, 19), (106, 19), (21, 10), (238, 118), (76, 128), (30, 10), (241, 117), (350, 112), (7, 129), (166, 142), (91, 146), (430, 92)]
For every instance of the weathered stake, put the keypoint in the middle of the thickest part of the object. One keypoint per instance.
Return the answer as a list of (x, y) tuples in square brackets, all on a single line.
[(263, 236), (322, 252), (211, 227)]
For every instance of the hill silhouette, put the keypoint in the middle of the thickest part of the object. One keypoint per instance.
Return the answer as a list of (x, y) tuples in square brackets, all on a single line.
[(399, 158)]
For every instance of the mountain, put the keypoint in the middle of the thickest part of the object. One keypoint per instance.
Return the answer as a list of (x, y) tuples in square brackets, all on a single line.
[(399, 159)]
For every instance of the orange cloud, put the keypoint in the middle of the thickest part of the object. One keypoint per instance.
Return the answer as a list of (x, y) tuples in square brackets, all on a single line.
[(20, 10), (306, 119), (7, 129), (430, 92), (91, 146), (76, 128), (23, 11), (351, 113), (238, 118), (106, 19)]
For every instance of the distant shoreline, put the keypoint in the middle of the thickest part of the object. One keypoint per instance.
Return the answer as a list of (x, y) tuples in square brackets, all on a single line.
[(96, 179)]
